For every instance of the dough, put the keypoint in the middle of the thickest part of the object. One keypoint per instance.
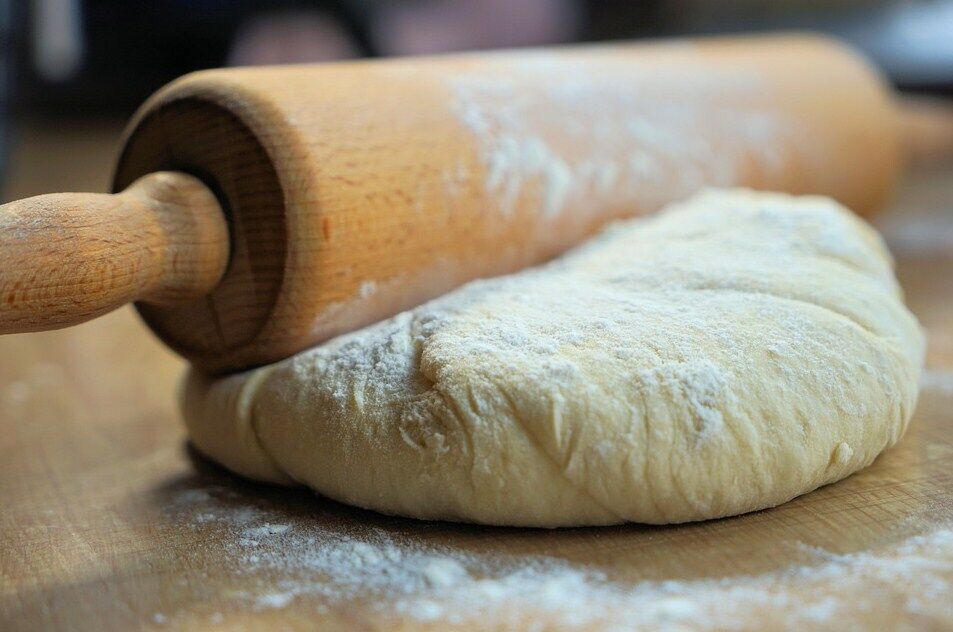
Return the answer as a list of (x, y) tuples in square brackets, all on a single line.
[(731, 353)]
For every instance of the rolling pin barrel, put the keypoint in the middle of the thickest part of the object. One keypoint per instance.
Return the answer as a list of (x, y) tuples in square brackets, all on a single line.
[(353, 191)]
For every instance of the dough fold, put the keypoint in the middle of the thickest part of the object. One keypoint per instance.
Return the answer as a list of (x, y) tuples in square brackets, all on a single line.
[(733, 352)]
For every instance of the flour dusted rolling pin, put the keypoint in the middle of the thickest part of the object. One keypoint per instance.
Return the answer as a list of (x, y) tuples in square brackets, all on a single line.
[(265, 210)]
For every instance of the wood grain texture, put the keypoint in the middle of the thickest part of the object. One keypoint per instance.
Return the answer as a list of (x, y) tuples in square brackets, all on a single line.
[(360, 189), (93, 457), (66, 258)]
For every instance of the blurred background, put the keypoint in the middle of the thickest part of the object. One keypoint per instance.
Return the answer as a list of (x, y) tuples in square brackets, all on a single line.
[(72, 71)]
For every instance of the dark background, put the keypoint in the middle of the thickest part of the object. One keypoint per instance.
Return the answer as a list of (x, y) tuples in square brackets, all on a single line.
[(79, 60)]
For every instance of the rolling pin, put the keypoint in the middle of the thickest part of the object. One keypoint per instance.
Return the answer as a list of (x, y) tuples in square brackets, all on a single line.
[(260, 211)]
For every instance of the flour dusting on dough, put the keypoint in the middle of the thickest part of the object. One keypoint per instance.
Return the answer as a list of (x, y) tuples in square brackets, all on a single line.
[(702, 363)]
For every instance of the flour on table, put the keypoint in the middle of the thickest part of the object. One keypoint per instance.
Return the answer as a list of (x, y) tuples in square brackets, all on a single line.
[(303, 564)]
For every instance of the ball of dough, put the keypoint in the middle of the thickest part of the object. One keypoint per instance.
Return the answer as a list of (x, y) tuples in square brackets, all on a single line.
[(727, 355)]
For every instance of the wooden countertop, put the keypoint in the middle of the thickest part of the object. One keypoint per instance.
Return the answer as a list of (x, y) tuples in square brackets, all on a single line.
[(108, 521)]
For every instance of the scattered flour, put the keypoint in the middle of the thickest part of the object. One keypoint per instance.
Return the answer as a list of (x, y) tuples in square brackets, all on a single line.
[(274, 600), (38, 379), (403, 575), (540, 136), (367, 289)]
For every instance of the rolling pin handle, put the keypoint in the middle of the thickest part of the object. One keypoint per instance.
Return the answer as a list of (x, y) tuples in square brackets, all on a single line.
[(68, 257)]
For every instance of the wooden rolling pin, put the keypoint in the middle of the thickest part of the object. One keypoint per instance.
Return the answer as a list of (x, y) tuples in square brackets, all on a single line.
[(265, 210)]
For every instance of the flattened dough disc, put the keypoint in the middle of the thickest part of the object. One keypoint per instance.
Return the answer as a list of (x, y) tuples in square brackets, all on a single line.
[(727, 355)]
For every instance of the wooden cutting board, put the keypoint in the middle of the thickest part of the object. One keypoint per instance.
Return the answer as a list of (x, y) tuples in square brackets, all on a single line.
[(108, 521)]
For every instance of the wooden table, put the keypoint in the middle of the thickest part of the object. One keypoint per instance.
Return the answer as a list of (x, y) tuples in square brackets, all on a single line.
[(108, 521)]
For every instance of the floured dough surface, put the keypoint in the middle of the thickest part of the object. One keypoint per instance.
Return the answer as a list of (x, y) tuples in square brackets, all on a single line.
[(729, 354)]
